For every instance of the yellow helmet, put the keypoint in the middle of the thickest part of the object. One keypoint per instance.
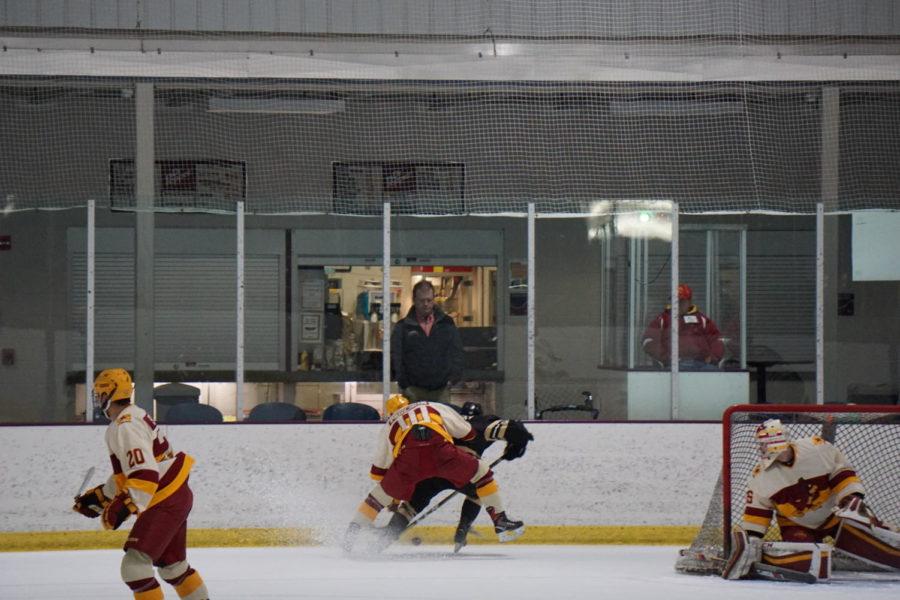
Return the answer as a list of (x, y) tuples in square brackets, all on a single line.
[(395, 403), (111, 385)]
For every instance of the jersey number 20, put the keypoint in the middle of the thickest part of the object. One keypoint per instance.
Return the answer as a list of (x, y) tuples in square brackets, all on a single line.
[(135, 457)]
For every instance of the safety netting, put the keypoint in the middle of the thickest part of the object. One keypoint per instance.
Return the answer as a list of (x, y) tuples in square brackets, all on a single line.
[(452, 108)]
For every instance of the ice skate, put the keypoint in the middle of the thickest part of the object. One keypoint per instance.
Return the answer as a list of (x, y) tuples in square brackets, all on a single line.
[(506, 529), (459, 538)]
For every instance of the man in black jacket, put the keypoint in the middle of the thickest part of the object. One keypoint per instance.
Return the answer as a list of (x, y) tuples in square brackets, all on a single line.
[(426, 349)]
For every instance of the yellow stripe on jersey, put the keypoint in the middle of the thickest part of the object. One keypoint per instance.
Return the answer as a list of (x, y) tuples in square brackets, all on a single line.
[(176, 483), (147, 487), (431, 419)]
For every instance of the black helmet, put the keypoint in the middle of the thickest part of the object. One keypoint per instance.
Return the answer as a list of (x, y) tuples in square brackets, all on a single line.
[(470, 409)]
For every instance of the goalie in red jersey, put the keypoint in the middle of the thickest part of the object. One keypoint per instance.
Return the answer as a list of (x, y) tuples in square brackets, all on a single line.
[(417, 444), (819, 504), (150, 481)]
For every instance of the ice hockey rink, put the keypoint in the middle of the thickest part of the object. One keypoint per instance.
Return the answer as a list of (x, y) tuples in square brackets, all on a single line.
[(513, 572)]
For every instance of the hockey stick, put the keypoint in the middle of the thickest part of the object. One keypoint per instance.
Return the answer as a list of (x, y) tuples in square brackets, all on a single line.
[(84, 482), (419, 517), (762, 570)]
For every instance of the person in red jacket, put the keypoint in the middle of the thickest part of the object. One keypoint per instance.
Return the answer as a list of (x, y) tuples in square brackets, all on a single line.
[(700, 343)]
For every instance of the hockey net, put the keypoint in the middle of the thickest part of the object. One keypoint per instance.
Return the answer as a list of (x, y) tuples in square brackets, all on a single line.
[(869, 436)]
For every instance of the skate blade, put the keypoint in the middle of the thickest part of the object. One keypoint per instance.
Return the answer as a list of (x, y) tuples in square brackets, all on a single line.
[(457, 547)]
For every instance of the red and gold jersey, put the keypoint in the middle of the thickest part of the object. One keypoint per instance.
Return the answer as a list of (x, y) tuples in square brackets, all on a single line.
[(143, 463), (804, 492), (440, 418)]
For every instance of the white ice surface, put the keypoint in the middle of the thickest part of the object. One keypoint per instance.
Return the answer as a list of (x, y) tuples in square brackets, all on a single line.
[(514, 572)]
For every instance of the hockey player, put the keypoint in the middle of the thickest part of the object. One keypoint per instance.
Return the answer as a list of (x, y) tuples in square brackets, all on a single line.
[(818, 502), (488, 429), (148, 480), (417, 443)]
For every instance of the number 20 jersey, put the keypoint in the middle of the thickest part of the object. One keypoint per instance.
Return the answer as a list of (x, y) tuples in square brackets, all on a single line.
[(143, 462)]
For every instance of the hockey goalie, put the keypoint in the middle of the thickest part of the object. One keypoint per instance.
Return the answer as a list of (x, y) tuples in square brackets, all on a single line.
[(818, 502)]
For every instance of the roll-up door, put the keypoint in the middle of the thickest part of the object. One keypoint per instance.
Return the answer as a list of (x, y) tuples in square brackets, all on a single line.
[(196, 312), (113, 309), (194, 301)]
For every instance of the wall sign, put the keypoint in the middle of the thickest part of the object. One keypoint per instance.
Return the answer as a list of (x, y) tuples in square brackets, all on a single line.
[(182, 183)]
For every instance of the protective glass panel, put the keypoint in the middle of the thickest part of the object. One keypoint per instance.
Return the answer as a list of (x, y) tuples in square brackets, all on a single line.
[(781, 304)]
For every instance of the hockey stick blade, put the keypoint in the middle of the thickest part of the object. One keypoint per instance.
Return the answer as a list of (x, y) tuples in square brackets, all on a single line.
[(774, 573), (419, 517), (84, 482)]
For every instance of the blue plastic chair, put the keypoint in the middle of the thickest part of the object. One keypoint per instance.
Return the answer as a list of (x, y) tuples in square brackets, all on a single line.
[(276, 412), (189, 412), (350, 411)]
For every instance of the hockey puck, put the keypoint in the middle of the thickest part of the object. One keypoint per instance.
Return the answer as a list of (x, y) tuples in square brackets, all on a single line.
[(415, 541)]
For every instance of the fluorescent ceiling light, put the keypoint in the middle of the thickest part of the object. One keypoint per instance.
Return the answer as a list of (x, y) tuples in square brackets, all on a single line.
[(275, 106)]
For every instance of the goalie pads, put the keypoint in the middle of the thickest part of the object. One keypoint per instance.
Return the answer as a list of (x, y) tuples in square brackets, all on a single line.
[(878, 546), (801, 557), (745, 550)]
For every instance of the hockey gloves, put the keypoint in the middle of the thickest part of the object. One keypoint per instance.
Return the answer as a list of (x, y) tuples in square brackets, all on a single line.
[(91, 503), (117, 511), (517, 438)]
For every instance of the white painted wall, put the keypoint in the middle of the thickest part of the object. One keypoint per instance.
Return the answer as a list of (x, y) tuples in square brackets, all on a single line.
[(314, 475)]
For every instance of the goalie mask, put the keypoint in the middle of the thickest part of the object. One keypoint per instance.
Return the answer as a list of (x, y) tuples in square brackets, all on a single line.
[(111, 385), (395, 403), (772, 440)]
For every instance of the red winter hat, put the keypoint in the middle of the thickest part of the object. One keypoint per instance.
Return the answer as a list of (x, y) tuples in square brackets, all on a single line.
[(685, 292)]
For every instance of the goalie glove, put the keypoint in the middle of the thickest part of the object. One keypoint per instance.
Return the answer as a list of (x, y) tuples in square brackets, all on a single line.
[(117, 511), (91, 503), (854, 508), (745, 550)]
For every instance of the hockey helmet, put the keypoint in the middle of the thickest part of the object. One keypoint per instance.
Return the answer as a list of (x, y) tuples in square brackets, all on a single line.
[(111, 385), (773, 440), (470, 409), (395, 403), (685, 292)]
